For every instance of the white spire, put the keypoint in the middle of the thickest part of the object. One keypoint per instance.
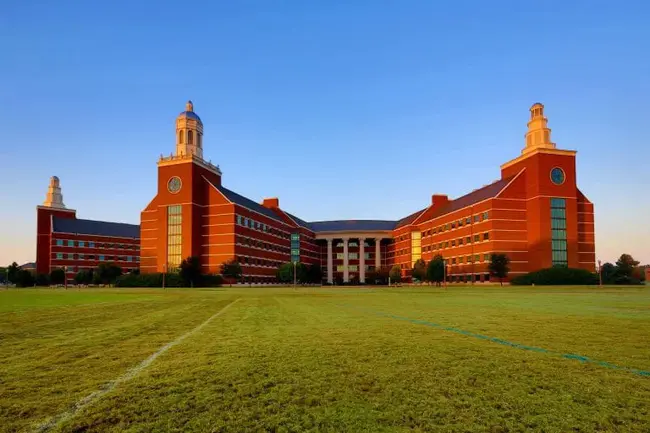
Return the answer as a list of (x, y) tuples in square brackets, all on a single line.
[(54, 198)]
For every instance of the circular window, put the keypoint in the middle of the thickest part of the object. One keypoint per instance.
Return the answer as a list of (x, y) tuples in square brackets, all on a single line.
[(174, 184), (557, 176)]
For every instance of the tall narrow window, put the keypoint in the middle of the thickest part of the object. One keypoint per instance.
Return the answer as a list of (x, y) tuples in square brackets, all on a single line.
[(174, 236), (416, 247), (295, 247), (180, 136), (558, 232), (190, 137)]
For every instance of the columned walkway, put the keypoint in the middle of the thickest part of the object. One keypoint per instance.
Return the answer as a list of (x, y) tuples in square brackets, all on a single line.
[(360, 238)]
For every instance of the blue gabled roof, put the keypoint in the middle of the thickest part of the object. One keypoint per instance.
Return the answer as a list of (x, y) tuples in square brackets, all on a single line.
[(97, 228), (247, 203), (351, 225), (299, 221)]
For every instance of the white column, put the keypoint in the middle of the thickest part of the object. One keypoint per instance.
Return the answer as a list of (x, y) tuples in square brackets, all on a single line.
[(377, 253), (362, 260), (346, 270), (330, 262)]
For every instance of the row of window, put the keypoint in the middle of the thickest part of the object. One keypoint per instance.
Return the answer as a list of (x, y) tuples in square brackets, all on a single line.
[(174, 236), (351, 244), (256, 243), (92, 244), (74, 269), (256, 225), (558, 232), (452, 225), (353, 268), (460, 260), (255, 261), (100, 257), (447, 244), (352, 256)]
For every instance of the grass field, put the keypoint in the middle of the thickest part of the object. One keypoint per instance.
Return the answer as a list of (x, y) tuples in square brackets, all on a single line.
[(324, 359)]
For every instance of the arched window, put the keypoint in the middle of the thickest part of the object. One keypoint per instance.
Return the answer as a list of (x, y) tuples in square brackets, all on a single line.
[(180, 136), (199, 139), (190, 137)]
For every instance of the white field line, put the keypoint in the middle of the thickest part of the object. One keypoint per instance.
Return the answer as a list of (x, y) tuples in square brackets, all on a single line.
[(130, 374)]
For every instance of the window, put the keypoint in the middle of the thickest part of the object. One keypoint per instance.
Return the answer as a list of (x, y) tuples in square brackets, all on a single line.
[(295, 247), (70, 256), (239, 220), (468, 240), (174, 236), (477, 258), (453, 225), (59, 242), (486, 257), (486, 236), (453, 243), (476, 218), (453, 260), (81, 256), (460, 259), (101, 258), (477, 238), (180, 136), (70, 243), (59, 256), (353, 244), (485, 216), (559, 255), (460, 223), (468, 220), (460, 241), (82, 244), (245, 222), (190, 137), (129, 258)]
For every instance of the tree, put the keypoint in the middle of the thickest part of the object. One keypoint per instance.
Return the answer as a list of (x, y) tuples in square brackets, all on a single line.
[(625, 265), (395, 274), (107, 273), (285, 273), (419, 271), (84, 276), (436, 270), (24, 278), (231, 270), (190, 271), (499, 266), (42, 280), (12, 272), (57, 276), (314, 274)]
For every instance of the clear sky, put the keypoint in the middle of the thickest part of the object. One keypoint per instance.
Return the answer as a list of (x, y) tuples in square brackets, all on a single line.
[(342, 109)]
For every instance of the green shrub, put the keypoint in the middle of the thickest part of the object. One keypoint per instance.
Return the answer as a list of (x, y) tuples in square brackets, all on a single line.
[(557, 276)]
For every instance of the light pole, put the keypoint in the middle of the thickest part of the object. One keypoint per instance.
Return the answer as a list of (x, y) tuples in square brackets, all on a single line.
[(65, 277), (600, 274), (294, 275), (164, 273), (444, 271)]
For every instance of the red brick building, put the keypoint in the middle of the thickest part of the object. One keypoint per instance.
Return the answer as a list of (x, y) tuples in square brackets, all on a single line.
[(65, 242), (534, 213)]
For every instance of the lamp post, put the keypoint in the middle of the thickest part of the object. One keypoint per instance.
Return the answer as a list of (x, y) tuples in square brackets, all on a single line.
[(294, 274), (65, 277), (444, 271), (7, 271), (164, 273), (600, 274)]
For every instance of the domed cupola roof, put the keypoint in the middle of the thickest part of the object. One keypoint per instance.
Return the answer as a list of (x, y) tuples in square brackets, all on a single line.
[(189, 113)]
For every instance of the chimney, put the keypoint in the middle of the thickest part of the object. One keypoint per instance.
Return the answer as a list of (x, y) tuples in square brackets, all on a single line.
[(271, 203), (438, 200)]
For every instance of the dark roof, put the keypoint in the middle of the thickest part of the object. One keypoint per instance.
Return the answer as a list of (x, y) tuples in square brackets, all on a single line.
[(351, 225), (97, 228), (247, 203), (299, 221), (473, 197), (190, 115), (28, 265), (409, 219)]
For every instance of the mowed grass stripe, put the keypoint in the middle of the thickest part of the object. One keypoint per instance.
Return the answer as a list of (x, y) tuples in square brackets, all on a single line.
[(51, 362), (293, 361), (130, 374)]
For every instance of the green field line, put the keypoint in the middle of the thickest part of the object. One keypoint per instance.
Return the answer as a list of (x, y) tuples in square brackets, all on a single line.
[(507, 343)]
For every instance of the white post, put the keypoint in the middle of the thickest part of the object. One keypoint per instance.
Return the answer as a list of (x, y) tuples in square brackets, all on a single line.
[(346, 270), (377, 253), (330, 262), (362, 261)]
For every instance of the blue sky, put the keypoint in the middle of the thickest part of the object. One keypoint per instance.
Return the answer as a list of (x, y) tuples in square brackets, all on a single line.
[(357, 109)]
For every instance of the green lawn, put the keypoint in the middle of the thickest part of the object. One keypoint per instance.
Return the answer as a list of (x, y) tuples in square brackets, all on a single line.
[(323, 359)]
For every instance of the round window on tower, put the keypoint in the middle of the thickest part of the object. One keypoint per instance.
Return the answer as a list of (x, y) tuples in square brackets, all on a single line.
[(174, 184), (557, 176)]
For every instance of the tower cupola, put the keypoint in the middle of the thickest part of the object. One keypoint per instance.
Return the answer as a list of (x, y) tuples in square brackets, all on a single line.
[(54, 197), (189, 133), (539, 134)]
